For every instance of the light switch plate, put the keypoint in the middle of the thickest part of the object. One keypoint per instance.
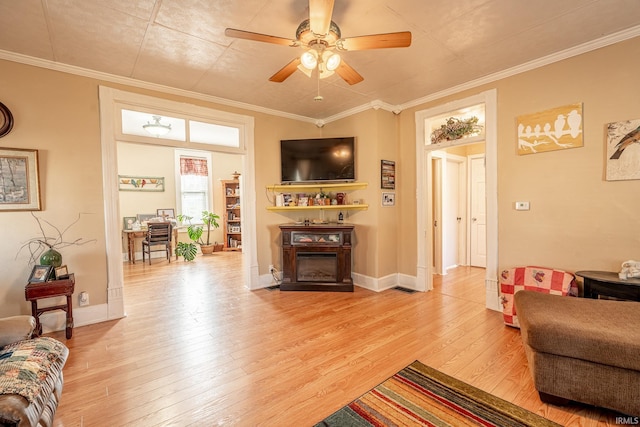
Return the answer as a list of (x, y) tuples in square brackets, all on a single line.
[(522, 206)]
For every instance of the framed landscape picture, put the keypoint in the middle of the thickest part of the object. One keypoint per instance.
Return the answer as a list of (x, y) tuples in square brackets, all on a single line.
[(19, 180)]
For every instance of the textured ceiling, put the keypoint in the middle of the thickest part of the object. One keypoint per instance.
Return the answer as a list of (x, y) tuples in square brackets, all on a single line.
[(181, 43)]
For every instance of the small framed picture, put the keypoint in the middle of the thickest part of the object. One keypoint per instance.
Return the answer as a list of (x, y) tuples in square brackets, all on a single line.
[(388, 199), (127, 222), (144, 218), (166, 213), (40, 273), (61, 272), (387, 174)]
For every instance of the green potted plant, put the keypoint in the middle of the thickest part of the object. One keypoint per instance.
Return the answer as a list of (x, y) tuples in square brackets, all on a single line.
[(188, 250)]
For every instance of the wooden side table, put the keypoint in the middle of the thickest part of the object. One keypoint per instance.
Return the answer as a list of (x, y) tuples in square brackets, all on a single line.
[(53, 288), (609, 284)]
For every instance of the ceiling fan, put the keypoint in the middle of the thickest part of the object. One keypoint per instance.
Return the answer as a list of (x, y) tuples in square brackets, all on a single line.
[(321, 36)]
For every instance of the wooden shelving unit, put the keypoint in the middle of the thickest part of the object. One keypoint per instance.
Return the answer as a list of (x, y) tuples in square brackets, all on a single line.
[(232, 225)]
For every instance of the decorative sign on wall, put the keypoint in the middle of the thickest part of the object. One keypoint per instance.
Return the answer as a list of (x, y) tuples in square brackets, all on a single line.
[(623, 150), (140, 183), (554, 129), (388, 174)]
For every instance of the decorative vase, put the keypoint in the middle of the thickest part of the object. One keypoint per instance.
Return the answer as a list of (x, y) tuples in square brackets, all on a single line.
[(51, 257)]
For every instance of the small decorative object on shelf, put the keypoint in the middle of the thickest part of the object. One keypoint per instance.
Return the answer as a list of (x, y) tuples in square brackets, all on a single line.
[(456, 128)]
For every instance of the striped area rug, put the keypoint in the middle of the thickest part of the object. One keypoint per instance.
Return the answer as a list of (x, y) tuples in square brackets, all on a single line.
[(422, 396)]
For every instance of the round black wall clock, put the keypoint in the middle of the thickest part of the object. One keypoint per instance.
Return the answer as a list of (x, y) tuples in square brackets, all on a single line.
[(6, 120)]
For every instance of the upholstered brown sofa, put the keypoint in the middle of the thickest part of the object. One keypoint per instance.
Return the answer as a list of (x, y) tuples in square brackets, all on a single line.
[(30, 374), (582, 350)]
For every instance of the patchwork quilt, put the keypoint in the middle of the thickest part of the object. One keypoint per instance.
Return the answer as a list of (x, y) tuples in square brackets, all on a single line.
[(538, 279), (25, 365)]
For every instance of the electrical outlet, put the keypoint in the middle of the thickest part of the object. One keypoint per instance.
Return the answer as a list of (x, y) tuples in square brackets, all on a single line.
[(83, 299)]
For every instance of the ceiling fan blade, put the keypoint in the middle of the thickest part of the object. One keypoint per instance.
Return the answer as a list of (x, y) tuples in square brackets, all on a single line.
[(285, 71), (320, 12), (248, 35), (376, 41), (348, 74)]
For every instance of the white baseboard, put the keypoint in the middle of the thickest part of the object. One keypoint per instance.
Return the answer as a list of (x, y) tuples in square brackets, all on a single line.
[(82, 316)]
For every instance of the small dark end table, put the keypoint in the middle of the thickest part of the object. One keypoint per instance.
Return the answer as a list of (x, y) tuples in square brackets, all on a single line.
[(608, 283), (53, 288)]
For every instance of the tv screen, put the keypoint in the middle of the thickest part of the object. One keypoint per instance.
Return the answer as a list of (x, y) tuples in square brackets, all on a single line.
[(317, 160)]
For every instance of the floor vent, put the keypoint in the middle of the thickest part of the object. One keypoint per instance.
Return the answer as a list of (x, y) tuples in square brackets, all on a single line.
[(407, 290)]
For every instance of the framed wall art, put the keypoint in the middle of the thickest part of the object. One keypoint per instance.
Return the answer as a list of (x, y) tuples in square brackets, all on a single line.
[(555, 129), (19, 180), (387, 174), (623, 150), (388, 199), (140, 183)]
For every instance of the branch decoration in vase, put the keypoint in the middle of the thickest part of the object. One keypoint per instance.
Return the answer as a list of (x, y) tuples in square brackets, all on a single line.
[(45, 248)]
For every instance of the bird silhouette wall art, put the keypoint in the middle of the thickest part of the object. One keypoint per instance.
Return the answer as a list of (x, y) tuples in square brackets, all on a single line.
[(554, 129)]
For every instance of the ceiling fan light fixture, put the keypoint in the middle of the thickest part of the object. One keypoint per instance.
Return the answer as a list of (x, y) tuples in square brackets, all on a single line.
[(305, 70), (156, 128), (309, 59), (331, 60)]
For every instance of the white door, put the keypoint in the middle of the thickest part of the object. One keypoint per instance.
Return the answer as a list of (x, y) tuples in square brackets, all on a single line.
[(437, 214), (478, 228), (452, 213)]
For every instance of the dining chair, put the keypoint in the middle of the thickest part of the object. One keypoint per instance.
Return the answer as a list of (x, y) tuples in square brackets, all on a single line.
[(158, 239)]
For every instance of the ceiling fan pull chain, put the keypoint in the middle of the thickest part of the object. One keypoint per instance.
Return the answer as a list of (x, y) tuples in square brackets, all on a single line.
[(318, 97)]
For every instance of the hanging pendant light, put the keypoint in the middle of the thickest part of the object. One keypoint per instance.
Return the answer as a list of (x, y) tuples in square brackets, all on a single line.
[(156, 128)]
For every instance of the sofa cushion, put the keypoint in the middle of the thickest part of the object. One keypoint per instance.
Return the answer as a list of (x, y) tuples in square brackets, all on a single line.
[(539, 279), (594, 330)]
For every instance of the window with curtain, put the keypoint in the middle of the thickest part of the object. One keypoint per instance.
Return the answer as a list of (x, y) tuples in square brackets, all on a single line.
[(194, 186)]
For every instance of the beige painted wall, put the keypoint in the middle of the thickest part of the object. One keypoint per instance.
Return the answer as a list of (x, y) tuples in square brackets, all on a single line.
[(577, 220)]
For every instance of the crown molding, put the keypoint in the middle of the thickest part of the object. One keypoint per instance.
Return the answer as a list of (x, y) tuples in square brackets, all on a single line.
[(98, 75), (531, 65), (375, 104)]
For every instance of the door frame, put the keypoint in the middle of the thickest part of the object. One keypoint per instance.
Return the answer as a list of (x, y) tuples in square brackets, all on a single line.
[(424, 274), (109, 99)]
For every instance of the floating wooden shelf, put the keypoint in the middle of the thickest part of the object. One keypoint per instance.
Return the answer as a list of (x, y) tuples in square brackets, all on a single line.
[(326, 187)]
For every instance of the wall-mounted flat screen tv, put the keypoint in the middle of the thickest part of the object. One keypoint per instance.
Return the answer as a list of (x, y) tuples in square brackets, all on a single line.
[(317, 160)]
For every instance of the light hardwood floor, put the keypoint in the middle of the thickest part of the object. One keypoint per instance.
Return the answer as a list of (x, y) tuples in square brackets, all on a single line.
[(197, 348)]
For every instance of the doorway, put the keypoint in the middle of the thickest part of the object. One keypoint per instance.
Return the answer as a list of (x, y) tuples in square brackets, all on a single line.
[(109, 130), (424, 186), (459, 227)]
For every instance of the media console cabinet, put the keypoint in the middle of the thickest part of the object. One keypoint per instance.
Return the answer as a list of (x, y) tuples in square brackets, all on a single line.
[(316, 257)]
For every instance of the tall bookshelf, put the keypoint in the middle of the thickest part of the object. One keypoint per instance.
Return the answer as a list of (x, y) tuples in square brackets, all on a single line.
[(232, 215)]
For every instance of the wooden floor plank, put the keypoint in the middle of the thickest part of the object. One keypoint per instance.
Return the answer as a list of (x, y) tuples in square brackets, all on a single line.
[(197, 348)]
